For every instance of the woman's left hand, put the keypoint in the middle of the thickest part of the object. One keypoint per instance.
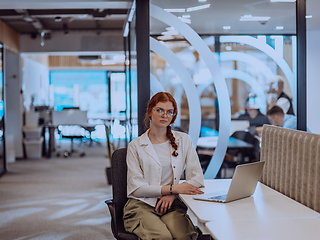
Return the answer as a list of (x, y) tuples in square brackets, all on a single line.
[(164, 204)]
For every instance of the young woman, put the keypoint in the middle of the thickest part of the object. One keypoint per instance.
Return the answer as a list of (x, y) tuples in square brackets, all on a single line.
[(155, 162)]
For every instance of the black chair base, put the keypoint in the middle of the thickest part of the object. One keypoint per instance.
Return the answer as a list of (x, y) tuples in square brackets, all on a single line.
[(69, 152)]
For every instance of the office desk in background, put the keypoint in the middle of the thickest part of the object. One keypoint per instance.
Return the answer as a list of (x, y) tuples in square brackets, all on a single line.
[(67, 117), (211, 143), (206, 145), (264, 206)]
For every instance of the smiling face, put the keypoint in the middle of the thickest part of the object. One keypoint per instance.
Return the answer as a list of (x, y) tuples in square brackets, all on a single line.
[(161, 120)]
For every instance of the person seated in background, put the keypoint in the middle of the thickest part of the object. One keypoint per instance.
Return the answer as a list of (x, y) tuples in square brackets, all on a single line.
[(280, 98), (254, 116), (278, 118)]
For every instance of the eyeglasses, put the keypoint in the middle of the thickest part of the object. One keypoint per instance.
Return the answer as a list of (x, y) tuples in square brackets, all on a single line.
[(161, 112)]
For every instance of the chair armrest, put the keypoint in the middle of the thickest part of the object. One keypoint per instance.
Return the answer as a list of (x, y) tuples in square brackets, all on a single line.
[(112, 211)]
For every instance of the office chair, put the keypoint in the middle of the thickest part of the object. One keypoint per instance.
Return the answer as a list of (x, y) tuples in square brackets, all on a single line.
[(71, 137), (119, 190), (252, 153), (69, 122), (90, 129)]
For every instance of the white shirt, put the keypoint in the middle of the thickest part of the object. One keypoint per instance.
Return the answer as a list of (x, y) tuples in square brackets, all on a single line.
[(284, 103), (164, 155), (145, 169)]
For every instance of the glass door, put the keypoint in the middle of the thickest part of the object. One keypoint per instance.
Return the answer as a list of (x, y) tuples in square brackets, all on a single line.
[(2, 149)]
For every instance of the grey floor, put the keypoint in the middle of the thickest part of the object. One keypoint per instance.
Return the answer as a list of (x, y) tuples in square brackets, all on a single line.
[(57, 198)]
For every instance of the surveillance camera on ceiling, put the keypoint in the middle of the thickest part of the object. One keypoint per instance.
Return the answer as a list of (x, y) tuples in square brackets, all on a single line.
[(263, 22)]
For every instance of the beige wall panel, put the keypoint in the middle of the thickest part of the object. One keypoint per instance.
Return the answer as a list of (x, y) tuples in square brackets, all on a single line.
[(1, 31), (9, 37)]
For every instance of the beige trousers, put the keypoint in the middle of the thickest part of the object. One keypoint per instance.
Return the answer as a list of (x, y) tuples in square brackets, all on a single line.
[(142, 220)]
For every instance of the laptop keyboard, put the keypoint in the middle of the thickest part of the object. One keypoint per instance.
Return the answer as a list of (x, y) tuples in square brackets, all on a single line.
[(219, 198)]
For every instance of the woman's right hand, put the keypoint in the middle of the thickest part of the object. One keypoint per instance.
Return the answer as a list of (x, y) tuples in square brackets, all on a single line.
[(186, 188)]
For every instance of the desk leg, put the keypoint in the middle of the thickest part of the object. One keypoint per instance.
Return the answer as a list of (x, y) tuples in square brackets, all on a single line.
[(200, 225), (50, 141), (203, 228), (204, 236)]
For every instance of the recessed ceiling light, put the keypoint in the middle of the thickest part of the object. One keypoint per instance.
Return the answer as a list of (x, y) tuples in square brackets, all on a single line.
[(175, 9), (308, 16), (58, 19), (191, 9), (82, 16), (185, 20), (226, 27), (170, 28), (171, 32), (279, 27), (165, 37), (107, 62), (202, 0), (282, 0), (253, 18), (119, 58)]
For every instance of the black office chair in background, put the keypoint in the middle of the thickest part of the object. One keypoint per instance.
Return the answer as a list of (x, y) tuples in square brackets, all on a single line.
[(69, 124), (74, 136), (252, 153)]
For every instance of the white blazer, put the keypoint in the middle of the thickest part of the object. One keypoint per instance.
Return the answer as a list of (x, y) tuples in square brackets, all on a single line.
[(144, 167)]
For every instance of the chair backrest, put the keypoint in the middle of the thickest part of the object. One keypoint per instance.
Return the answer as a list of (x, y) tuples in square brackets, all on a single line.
[(69, 117), (254, 153), (119, 184), (246, 136), (292, 164)]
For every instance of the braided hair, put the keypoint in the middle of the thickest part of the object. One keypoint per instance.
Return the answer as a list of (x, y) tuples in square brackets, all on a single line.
[(163, 97), (172, 141)]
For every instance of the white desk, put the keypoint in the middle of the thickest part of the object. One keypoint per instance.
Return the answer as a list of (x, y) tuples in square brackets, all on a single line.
[(264, 205), (275, 229), (211, 143)]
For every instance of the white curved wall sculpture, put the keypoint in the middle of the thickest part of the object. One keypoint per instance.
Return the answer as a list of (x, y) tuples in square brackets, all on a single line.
[(272, 53), (187, 82), (155, 85), (218, 79), (245, 77)]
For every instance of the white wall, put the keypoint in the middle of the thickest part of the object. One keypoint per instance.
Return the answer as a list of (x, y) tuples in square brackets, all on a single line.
[(313, 81), (13, 105), (35, 80)]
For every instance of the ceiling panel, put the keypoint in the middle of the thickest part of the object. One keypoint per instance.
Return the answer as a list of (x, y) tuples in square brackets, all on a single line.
[(103, 16)]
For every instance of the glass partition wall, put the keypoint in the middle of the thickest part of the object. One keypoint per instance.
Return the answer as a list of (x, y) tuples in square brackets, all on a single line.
[(216, 57), (249, 63), (2, 148), (131, 78)]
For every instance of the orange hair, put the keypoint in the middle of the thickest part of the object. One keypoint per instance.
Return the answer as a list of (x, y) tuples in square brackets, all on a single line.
[(163, 97)]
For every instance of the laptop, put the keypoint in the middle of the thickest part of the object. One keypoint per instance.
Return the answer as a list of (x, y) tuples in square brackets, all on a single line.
[(243, 184), (238, 125)]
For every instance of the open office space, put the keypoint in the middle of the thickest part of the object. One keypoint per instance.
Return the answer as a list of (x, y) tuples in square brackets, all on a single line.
[(78, 74)]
